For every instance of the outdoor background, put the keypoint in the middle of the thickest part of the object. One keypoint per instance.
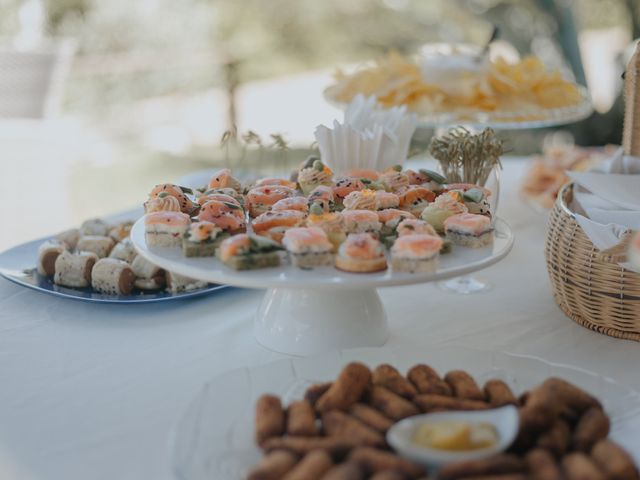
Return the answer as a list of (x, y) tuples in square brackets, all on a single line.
[(100, 100)]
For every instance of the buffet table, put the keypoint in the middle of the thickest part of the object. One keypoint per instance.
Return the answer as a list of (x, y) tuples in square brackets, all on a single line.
[(93, 391)]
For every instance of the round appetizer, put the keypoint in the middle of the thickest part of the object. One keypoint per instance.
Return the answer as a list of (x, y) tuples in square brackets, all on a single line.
[(361, 253)]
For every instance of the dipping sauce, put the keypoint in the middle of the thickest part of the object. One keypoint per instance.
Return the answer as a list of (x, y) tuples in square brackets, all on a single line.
[(456, 436)]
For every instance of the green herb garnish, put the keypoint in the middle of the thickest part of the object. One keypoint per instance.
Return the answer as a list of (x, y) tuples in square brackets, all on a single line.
[(434, 176), (186, 190)]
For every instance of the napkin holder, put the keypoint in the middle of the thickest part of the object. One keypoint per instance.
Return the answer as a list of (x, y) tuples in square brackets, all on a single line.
[(590, 285)]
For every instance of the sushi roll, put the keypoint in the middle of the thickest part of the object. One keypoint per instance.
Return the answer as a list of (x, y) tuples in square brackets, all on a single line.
[(74, 269), (361, 253), (124, 251), (413, 226), (469, 230), (261, 199), (415, 198), (179, 193), (300, 204), (148, 275), (314, 173), (249, 252), (179, 283), (344, 186), (224, 179), (202, 239), (415, 253), (308, 247), (165, 229), (361, 200), (395, 178), (324, 197), (97, 244), (229, 216), (120, 231), (69, 238), (274, 224), (443, 207), (112, 276), (361, 221), (331, 223), (94, 226), (162, 203), (48, 253)]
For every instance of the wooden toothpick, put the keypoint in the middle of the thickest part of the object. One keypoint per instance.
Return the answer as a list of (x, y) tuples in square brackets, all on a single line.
[(631, 132)]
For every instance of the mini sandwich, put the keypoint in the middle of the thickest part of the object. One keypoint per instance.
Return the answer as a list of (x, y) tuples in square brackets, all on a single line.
[(361, 221), (274, 224), (165, 229), (469, 230), (361, 253), (415, 253), (308, 247), (202, 239), (249, 252)]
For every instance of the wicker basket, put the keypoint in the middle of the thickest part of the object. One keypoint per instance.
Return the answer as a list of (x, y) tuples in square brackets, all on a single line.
[(589, 285)]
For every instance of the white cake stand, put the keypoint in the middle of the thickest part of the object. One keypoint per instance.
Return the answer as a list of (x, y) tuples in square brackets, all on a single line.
[(305, 312)]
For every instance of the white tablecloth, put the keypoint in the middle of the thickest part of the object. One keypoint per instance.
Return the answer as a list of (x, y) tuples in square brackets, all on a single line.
[(93, 391)]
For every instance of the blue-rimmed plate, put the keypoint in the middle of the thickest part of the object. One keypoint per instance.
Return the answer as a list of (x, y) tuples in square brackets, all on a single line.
[(17, 265)]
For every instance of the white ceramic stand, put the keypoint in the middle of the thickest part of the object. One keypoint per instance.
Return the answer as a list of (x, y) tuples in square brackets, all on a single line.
[(308, 321), (305, 312)]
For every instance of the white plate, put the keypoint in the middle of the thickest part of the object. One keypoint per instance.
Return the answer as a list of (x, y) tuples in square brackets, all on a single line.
[(459, 262), (214, 438), (502, 120)]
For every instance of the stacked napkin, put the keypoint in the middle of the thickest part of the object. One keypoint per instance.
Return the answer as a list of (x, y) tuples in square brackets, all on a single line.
[(369, 137), (607, 201)]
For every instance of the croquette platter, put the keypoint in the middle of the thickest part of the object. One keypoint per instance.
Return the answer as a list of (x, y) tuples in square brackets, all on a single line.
[(250, 423)]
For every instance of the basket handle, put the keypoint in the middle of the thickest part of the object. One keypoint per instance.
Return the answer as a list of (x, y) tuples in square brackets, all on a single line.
[(631, 131)]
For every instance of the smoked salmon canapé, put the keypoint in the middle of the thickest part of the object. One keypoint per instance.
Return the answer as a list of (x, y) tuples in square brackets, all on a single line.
[(416, 253), (331, 223), (415, 198), (274, 224), (361, 253), (274, 181), (312, 174), (442, 208), (261, 199), (224, 179), (228, 216), (413, 226), (179, 193), (394, 178), (363, 173), (324, 197), (427, 178), (361, 221), (308, 247), (165, 229), (249, 252), (469, 230), (202, 239), (344, 186), (300, 204)]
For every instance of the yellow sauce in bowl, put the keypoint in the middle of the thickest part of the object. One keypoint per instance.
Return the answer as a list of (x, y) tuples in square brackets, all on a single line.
[(456, 436)]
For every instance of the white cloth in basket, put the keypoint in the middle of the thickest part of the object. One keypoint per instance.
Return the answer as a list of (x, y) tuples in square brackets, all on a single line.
[(607, 201)]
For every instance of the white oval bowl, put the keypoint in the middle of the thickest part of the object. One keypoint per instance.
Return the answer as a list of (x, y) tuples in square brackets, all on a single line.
[(504, 419)]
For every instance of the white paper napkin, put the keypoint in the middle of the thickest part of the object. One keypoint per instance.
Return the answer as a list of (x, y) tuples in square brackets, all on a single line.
[(368, 137), (607, 201)]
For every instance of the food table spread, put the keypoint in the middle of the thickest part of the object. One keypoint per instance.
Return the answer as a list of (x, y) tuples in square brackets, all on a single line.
[(94, 391)]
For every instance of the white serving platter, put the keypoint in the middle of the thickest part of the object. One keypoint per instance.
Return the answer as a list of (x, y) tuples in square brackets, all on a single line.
[(306, 312), (215, 436)]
